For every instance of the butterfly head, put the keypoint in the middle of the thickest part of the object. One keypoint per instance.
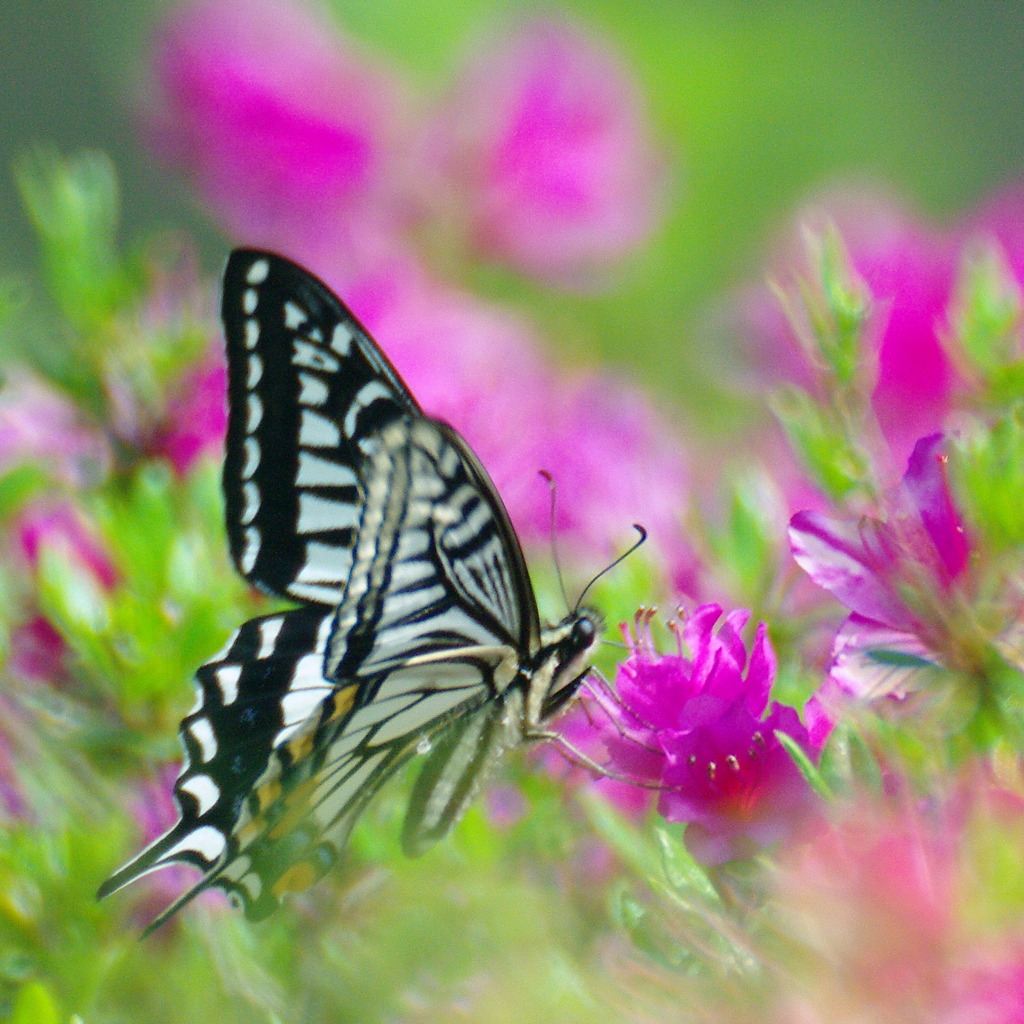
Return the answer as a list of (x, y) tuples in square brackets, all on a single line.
[(567, 650)]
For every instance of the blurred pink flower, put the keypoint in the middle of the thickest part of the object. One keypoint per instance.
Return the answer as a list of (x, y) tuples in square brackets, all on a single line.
[(1001, 217), (62, 527), (196, 416), (544, 146), (37, 424), (908, 268), (12, 799), (873, 897), (616, 462), (989, 993), (892, 575), (698, 724), (37, 651), (292, 137)]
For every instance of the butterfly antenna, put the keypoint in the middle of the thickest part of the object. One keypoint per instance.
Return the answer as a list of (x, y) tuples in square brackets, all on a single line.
[(608, 568), (554, 536)]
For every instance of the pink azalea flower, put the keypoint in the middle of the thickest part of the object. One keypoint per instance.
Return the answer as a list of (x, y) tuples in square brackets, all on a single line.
[(39, 425), (908, 268), (60, 526), (292, 137), (889, 574), (698, 724), (196, 416), (544, 147)]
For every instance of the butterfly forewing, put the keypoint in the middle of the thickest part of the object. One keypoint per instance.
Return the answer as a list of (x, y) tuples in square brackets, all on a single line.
[(306, 387)]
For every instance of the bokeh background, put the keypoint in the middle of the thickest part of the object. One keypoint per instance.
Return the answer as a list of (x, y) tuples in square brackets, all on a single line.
[(757, 105), (755, 109)]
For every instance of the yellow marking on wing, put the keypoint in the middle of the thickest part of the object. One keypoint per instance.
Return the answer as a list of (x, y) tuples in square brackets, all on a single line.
[(298, 806), (298, 877), (342, 702)]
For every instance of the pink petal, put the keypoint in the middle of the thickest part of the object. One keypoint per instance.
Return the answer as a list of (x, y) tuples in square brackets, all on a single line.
[(927, 481), (847, 559)]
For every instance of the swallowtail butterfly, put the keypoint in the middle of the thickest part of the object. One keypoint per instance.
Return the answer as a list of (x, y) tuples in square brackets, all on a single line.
[(416, 629)]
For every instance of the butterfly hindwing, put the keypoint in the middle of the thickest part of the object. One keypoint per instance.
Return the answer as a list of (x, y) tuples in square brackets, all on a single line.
[(260, 688), (306, 386)]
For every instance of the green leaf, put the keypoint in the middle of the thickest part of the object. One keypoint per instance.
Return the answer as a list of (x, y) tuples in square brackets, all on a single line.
[(34, 1005), (806, 766), (820, 443), (681, 870), (74, 204), (985, 314), (847, 762)]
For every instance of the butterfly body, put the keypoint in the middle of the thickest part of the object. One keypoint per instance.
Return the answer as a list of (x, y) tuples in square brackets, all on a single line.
[(417, 631)]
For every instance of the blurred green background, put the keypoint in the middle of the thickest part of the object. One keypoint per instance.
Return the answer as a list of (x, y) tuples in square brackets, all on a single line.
[(756, 104)]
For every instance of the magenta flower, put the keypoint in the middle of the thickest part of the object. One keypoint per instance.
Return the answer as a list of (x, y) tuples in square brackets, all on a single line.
[(908, 268), (39, 425), (37, 651), (196, 416), (600, 421), (989, 993), (698, 724), (61, 527), (893, 576), (292, 138), (544, 147)]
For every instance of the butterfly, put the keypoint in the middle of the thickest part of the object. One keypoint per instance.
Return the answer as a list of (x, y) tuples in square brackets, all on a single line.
[(415, 632)]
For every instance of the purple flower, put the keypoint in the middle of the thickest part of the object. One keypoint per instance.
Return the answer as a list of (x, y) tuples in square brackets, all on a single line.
[(893, 575), (698, 723), (292, 138), (908, 268), (544, 140)]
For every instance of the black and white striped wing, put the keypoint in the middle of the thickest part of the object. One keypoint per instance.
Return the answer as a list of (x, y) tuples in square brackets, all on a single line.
[(257, 693), (306, 387), (279, 762), (437, 567)]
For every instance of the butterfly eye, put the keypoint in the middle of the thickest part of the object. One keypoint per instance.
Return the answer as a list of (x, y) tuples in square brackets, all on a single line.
[(583, 632)]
